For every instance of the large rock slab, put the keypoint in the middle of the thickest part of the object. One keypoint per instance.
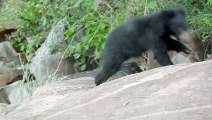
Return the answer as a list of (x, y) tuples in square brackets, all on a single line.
[(178, 92), (46, 62)]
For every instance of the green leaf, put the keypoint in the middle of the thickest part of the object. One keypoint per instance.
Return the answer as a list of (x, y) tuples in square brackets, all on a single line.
[(77, 64), (151, 5), (83, 67), (76, 56), (83, 59), (44, 21), (209, 2)]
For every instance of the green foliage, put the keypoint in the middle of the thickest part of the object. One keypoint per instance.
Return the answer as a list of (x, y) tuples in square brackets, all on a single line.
[(95, 29), (88, 27), (209, 2), (34, 19), (9, 11)]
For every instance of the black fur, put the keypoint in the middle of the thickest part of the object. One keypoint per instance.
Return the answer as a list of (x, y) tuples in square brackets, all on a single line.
[(139, 35)]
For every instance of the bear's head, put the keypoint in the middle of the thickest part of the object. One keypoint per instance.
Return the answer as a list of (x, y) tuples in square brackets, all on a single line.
[(176, 23)]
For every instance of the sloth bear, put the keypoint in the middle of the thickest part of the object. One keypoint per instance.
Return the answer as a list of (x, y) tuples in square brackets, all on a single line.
[(143, 33)]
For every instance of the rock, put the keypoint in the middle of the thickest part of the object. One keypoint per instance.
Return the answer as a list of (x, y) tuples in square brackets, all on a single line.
[(3, 97), (47, 66), (9, 75), (58, 89), (209, 57), (7, 31), (127, 68), (176, 58), (46, 62), (9, 94), (13, 92), (5, 108), (177, 92), (90, 73), (8, 56), (63, 86)]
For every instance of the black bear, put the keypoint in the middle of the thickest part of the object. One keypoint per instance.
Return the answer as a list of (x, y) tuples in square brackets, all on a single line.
[(143, 33)]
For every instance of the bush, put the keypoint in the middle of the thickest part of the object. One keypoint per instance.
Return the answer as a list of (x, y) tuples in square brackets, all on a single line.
[(34, 19)]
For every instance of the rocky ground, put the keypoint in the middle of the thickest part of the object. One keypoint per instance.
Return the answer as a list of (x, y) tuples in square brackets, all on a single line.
[(179, 92)]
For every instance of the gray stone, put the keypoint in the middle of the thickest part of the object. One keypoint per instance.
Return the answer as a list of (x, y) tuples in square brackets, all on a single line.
[(10, 75), (13, 92), (176, 58), (5, 108), (179, 58), (45, 62), (10, 94), (8, 55), (3, 97)]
